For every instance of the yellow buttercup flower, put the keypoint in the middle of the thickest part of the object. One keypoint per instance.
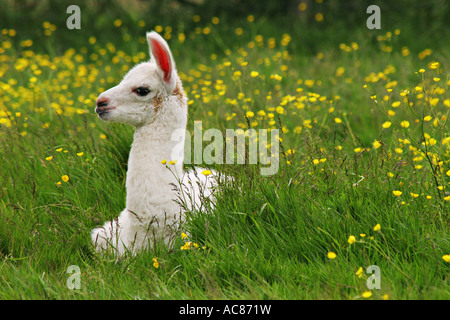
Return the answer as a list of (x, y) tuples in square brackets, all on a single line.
[(376, 144), (65, 178), (164, 161), (49, 158), (446, 257), (359, 273), (377, 227), (386, 125), (206, 172), (186, 246), (366, 294), (155, 262), (331, 255), (183, 235), (404, 124), (397, 193), (351, 239)]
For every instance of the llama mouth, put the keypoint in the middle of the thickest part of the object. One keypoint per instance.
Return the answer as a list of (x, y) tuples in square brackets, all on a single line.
[(101, 111)]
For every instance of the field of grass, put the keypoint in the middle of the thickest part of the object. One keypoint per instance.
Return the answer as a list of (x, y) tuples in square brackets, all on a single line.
[(364, 174)]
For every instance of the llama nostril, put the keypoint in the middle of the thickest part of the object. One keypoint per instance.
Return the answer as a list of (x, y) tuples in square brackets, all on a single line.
[(102, 102)]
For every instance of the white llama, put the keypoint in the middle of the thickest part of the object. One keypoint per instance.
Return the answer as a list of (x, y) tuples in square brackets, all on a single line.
[(150, 98)]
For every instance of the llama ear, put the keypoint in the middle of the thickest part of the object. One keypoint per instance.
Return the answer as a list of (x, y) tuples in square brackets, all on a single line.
[(160, 53)]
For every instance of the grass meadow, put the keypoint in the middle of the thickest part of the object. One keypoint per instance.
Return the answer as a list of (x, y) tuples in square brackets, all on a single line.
[(364, 175)]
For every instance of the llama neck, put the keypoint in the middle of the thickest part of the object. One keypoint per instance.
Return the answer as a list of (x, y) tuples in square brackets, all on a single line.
[(149, 181)]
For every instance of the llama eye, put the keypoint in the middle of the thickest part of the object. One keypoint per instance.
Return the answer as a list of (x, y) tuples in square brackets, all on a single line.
[(141, 91)]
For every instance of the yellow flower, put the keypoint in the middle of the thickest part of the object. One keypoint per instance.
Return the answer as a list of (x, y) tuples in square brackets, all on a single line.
[(49, 158), (376, 144), (386, 125), (351, 239), (396, 104), (421, 70), (254, 74), (206, 172), (80, 154), (318, 17), (359, 273), (434, 65), (446, 257), (186, 246), (385, 297), (362, 235), (366, 294), (397, 193), (377, 227), (279, 109), (427, 118), (172, 162), (250, 114), (302, 6), (65, 178), (316, 161), (59, 150), (155, 262), (447, 198), (337, 120), (448, 173), (331, 255), (404, 124), (183, 235), (103, 136), (164, 161), (414, 195)]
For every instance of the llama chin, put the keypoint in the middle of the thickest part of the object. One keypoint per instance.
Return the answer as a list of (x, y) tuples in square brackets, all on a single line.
[(150, 98)]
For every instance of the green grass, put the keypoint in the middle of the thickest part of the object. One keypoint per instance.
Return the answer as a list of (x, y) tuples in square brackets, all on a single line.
[(268, 237)]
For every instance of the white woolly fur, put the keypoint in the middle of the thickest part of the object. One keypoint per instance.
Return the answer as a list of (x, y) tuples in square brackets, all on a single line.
[(152, 212)]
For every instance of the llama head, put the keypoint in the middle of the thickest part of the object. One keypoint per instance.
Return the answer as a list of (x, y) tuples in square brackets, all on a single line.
[(137, 98)]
